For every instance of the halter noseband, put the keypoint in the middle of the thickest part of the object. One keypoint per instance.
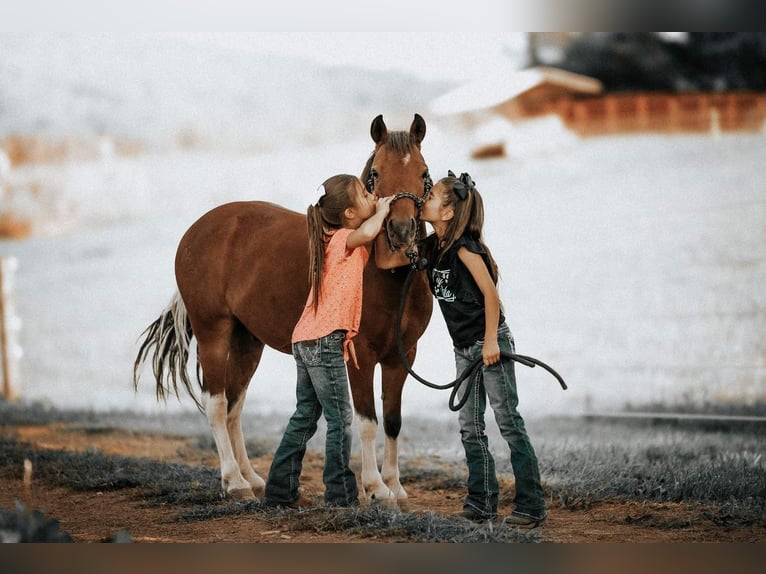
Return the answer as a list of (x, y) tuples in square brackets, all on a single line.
[(419, 201)]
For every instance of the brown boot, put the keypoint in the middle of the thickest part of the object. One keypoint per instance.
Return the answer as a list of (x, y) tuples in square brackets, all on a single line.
[(523, 521)]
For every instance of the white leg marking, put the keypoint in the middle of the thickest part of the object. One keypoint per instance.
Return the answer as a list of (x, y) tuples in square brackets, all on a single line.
[(232, 480), (234, 426), (372, 484), (390, 472)]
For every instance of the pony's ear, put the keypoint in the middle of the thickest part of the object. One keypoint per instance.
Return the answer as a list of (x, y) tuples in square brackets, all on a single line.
[(418, 129), (378, 130)]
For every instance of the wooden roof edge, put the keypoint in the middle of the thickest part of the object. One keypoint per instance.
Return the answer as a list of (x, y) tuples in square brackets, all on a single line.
[(570, 80)]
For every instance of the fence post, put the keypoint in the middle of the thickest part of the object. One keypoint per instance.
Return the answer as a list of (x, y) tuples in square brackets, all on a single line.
[(10, 350)]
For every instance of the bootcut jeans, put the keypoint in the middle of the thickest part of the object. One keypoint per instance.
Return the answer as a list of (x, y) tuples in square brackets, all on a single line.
[(498, 383), (322, 387)]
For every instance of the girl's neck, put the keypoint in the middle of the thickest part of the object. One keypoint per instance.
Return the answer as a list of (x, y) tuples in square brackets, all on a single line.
[(440, 229)]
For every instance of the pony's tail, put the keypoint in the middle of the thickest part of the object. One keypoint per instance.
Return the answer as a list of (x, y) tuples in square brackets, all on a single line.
[(170, 335)]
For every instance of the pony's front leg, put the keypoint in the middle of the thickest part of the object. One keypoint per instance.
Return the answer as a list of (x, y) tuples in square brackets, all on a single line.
[(390, 473), (393, 383), (373, 486), (232, 481), (361, 379)]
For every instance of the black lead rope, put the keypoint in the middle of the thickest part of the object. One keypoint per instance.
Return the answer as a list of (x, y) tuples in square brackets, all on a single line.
[(470, 373)]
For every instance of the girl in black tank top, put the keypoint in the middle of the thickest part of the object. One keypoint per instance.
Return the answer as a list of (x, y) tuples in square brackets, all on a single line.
[(463, 277)]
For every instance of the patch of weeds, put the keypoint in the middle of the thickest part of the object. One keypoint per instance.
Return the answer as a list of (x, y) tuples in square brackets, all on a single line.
[(375, 521), (206, 510), (568, 501), (182, 485), (94, 471), (737, 514), (369, 522), (619, 463)]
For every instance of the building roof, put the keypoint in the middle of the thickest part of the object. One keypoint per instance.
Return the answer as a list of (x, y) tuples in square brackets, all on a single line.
[(533, 85)]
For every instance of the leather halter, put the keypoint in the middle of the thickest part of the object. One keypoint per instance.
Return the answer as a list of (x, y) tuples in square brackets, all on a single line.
[(419, 201)]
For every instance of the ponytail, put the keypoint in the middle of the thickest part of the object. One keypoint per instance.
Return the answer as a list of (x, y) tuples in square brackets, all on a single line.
[(316, 250), (322, 218)]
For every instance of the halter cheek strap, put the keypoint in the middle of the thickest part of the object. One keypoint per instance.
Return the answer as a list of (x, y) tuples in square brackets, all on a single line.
[(419, 201)]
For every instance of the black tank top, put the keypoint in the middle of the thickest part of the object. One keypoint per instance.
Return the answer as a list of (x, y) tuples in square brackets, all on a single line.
[(460, 299)]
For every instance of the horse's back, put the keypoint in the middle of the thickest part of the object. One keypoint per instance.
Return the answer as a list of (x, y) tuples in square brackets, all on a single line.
[(248, 260)]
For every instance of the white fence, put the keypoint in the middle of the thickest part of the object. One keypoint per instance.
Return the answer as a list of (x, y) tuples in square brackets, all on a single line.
[(10, 325)]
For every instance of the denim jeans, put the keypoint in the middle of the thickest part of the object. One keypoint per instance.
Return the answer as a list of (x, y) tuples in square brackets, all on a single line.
[(498, 383), (322, 387)]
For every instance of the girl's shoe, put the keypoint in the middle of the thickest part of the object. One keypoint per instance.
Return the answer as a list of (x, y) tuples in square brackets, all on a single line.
[(300, 502), (470, 513), (523, 521)]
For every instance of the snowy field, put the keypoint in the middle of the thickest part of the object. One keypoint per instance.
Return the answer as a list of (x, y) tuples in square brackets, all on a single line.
[(633, 265)]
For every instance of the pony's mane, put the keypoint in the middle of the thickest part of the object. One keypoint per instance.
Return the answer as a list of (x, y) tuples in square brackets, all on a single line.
[(400, 141)]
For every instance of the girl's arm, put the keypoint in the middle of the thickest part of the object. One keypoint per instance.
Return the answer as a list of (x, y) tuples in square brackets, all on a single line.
[(369, 229), (475, 265)]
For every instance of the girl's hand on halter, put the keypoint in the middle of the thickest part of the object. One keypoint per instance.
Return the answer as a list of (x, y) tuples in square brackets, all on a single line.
[(383, 204), (369, 229)]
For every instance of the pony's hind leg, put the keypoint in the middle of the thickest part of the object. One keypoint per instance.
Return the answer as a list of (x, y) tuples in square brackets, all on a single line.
[(246, 352), (232, 481), (234, 426), (229, 359)]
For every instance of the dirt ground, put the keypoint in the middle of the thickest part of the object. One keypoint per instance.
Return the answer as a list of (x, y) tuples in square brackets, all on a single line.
[(90, 517)]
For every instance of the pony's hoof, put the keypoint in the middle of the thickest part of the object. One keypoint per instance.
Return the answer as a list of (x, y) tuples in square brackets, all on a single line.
[(259, 491), (241, 494), (387, 502), (404, 505)]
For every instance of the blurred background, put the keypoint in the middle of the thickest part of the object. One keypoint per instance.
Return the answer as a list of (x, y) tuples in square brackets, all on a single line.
[(620, 173)]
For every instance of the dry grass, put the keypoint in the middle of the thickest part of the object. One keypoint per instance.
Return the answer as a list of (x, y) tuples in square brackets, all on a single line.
[(582, 464)]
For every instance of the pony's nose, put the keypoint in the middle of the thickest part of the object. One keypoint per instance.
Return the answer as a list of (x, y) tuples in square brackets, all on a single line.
[(401, 232)]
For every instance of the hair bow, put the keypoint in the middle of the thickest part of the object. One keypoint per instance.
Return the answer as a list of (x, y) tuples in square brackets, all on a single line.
[(463, 185)]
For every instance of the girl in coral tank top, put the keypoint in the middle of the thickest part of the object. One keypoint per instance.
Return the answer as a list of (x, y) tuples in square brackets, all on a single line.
[(342, 226)]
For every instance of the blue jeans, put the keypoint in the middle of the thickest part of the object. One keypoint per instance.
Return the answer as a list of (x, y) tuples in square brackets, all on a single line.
[(322, 386), (498, 383)]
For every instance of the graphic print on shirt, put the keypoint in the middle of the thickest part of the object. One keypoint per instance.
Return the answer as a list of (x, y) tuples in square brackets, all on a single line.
[(441, 285)]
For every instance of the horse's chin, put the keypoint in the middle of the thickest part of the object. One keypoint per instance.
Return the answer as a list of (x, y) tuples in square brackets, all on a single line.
[(395, 244)]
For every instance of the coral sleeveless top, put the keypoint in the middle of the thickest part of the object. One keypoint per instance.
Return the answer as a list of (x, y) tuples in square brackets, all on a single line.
[(340, 303)]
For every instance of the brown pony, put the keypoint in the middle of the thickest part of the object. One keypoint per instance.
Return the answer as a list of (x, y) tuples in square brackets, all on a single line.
[(242, 275)]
